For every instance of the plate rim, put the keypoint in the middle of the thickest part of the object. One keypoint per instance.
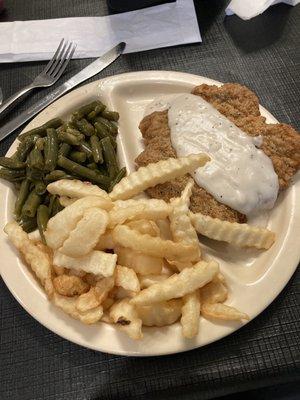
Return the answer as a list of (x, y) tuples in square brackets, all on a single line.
[(155, 75)]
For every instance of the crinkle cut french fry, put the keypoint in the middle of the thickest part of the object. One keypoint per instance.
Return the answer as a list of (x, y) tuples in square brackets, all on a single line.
[(105, 241), (238, 234), (68, 305), (141, 263), (153, 246), (129, 210), (151, 279), (214, 292), (144, 226), (160, 314), (66, 201), (75, 189), (127, 279), (87, 301), (125, 316), (84, 237), (60, 226), (178, 285), (96, 262), (155, 173), (222, 311), (68, 285), (190, 315), (36, 258)]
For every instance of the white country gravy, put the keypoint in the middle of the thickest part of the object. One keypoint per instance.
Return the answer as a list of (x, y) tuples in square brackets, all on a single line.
[(239, 174)]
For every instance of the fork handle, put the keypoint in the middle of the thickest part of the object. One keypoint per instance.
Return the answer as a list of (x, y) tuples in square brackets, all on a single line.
[(7, 103)]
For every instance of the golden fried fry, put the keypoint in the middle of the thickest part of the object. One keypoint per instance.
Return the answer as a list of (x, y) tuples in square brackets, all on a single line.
[(153, 174), (178, 285), (160, 314), (153, 246), (165, 230), (87, 301), (190, 315), (127, 279), (141, 263), (67, 285), (105, 241), (84, 237), (103, 287), (129, 210), (60, 226), (35, 257), (96, 262), (221, 311), (125, 317), (214, 292), (238, 234), (151, 279), (68, 305), (144, 226), (66, 201), (75, 189)]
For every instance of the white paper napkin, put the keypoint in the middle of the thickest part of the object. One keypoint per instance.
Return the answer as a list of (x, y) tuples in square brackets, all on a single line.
[(247, 9), (154, 27)]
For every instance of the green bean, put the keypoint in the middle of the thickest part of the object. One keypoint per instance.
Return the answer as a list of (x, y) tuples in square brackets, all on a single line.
[(12, 175), (51, 203), (109, 157), (78, 156), (113, 142), (41, 130), (64, 149), (74, 132), (84, 146), (93, 166), (112, 128), (11, 163), (28, 224), (101, 130), (51, 150), (34, 174), (35, 159), (25, 147), (31, 204), (40, 143), (22, 196), (17, 185), (86, 109), (40, 187), (69, 138), (55, 175), (84, 126), (57, 207), (42, 218), (117, 179), (93, 114), (84, 172), (96, 149), (110, 115)]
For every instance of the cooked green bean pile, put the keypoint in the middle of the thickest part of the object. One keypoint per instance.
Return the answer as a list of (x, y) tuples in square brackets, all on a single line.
[(83, 148)]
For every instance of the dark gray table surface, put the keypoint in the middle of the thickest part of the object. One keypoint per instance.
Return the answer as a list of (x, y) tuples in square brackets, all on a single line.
[(37, 364)]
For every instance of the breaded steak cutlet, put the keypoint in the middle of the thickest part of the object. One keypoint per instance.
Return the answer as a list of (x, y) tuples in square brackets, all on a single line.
[(236, 102)]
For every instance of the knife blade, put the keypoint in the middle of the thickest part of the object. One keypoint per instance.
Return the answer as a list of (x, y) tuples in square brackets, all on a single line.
[(92, 69)]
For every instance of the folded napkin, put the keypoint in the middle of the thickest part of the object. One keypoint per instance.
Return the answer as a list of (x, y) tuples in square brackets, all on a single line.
[(247, 9), (154, 27)]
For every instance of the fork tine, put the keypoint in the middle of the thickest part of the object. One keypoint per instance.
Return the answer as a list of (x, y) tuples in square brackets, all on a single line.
[(58, 58), (64, 62), (50, 63)]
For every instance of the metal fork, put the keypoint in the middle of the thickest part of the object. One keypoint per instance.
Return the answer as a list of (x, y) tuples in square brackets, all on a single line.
[(51, 73)]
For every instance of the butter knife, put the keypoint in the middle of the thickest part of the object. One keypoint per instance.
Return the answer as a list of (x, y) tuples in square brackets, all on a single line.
[(92, 69)]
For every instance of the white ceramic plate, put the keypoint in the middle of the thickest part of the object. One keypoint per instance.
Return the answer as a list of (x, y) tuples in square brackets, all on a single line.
[(255, 278)]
